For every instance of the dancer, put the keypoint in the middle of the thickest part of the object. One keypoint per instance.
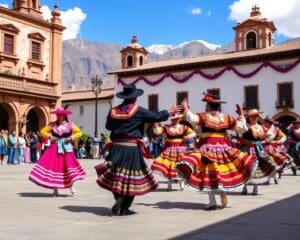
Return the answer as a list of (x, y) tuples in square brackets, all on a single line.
[(175, 146), (125, 172), (274, 145), (215, 165), (58, 167), (251, 142), (294, 143)]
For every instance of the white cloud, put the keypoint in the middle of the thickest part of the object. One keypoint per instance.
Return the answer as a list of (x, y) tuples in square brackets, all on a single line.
[(4, 5), (196, 11), (284, 14), (71, 19)]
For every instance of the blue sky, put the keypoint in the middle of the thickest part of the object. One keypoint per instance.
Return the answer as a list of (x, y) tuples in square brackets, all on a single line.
[(169, 21)]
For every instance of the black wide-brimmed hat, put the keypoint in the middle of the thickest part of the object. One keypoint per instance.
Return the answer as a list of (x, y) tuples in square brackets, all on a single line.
[(210, 98), (130, 91)]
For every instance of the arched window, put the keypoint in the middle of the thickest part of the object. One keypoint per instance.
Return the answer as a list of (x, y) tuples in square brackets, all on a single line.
[(34, 4), (129, 61), (141, 60), (270, 39), (251, 40)]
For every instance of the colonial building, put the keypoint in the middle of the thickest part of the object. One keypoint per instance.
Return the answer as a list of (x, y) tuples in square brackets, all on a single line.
[(82, 103), (258, 74), (30, 65)]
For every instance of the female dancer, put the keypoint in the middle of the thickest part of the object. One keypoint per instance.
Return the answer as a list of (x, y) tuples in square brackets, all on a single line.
[(58, 167), (175, 146), (215, 165), (274, 145), (294, 143), (251, 142)]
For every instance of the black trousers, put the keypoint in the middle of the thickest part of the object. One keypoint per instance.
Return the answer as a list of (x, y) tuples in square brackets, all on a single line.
[(127, 200)]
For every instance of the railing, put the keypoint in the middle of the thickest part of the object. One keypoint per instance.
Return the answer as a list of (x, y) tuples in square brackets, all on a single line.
[(285, 104), (27, 85)]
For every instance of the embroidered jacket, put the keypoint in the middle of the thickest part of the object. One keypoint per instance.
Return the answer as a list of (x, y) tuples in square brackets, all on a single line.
[(128, 120)]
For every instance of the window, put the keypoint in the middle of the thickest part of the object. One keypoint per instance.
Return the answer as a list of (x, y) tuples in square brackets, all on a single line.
[(81, 110), (181, 96), (129, 61), (36, 51), (285, 95), (270, 39), (251, 40), (214, 91), (251, 97), (153, 102), (141, 60), (8, 44)]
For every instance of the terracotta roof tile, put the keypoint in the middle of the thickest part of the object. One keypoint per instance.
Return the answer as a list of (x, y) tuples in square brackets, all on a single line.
[(215, 57)]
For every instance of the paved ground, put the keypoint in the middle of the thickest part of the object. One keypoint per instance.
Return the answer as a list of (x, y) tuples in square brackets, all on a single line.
[(29, 212)]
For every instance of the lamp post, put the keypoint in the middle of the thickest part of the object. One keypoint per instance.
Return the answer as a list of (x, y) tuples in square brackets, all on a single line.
[(96, 83)]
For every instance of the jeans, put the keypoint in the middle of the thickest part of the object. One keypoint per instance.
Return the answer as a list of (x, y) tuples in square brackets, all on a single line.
[(11, 156), (33, 157), (21, 155)]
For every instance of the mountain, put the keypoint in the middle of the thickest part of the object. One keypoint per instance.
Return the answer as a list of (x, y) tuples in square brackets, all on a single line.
[(83, 59)]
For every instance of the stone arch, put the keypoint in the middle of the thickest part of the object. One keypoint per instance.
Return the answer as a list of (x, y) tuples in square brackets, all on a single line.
[(285, 118), (36, 118), (251, 40), (8, 116)]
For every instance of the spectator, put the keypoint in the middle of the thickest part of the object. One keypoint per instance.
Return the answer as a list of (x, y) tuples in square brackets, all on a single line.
[(12, 146), (3, 145), (21, 145)]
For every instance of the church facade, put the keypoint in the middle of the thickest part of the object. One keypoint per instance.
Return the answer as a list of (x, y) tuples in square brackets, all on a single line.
[(30, 65), (258, 74)]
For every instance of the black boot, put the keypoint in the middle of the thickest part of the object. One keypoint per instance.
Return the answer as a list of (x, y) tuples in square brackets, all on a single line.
[(115, 210), (126, 205)]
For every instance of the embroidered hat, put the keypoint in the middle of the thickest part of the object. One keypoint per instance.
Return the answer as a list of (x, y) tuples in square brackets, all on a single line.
[(61, 111), (210, 98), (130, 91), (253, 112)]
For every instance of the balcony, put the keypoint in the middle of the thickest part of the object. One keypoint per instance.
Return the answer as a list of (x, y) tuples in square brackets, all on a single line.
[(27, 86), (285, 104)]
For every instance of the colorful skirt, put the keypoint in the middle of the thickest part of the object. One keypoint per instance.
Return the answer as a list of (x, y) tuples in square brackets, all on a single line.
[(294, 151), (165, 164), (125, 171), (278, 155), (266, 166), (217, 165), (55, 170)]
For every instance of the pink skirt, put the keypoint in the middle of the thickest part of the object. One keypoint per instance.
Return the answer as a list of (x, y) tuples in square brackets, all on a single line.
[(55, 170), (27, 155)]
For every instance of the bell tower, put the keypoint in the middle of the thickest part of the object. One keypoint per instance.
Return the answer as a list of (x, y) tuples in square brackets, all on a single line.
[(255, 32), (29, 7), (134, 55)]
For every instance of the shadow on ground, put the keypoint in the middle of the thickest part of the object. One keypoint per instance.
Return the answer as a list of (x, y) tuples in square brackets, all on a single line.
[(39, 195), (101, 211), (172, 205), (277, 221)]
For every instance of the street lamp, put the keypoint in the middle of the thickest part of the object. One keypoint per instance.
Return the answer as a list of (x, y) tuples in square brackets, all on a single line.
[(96, 83)]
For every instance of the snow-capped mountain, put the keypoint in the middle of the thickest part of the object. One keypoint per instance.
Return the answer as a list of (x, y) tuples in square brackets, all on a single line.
[(161, 49)]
